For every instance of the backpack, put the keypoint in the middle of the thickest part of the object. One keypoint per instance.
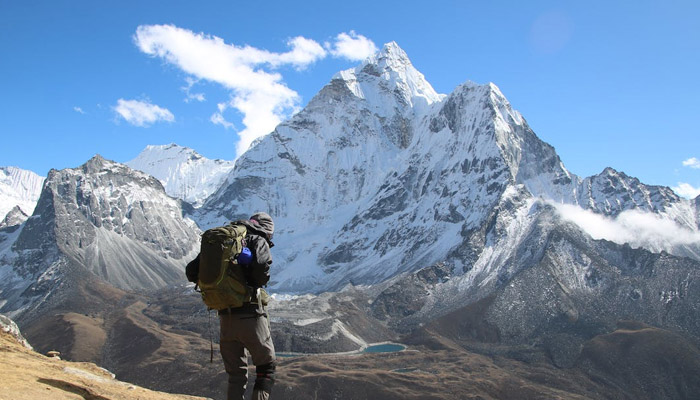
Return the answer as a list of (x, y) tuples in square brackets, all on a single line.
[(221, 278)]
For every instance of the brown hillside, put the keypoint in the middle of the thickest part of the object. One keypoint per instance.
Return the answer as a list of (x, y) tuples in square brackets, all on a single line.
[(27, 375)]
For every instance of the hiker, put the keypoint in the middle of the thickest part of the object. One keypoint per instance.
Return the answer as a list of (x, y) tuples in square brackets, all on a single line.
[(245, 323)]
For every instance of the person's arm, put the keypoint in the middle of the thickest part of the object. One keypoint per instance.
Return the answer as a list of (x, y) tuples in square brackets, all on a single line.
[(262, 259), (192, 270)]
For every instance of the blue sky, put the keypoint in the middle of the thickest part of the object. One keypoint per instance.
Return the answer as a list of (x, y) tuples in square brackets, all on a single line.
[(606, 83)]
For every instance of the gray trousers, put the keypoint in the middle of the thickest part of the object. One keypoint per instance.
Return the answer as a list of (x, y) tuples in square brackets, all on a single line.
[(241, 331)]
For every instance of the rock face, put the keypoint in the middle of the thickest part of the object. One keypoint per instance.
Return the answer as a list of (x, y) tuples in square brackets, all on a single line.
[(99, 221), (14, 218), (9, 327), (564, 290)]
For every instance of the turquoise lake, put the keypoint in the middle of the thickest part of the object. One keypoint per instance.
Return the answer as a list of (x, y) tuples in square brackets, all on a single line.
[(377, 348), (385, 348)]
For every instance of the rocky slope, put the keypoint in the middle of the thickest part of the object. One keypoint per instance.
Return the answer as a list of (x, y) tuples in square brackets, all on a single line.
[(30, 375), (101, 222)]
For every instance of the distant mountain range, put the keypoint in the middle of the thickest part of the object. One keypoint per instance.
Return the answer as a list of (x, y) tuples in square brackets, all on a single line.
[(400, 213), (184, 173)]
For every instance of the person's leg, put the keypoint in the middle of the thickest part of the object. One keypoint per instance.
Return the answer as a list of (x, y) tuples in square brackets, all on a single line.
[(258, 341), (235, 359), (264, 380)]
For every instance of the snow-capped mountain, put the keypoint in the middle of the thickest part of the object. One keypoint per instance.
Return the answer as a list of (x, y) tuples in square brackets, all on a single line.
[(19, 187), (100, 221), (437, 216), (184, 173), (380, 175)]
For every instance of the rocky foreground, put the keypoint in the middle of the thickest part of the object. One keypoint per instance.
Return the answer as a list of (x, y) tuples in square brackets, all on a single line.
[(27, 374)]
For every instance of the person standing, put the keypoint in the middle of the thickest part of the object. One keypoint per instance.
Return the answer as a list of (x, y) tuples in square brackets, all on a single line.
[(248, 327)]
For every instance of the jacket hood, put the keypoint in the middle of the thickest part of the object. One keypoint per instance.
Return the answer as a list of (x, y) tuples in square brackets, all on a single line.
[(263, 222)]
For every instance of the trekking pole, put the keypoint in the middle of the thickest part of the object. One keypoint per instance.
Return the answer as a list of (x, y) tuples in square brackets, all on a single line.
[(211, 341)]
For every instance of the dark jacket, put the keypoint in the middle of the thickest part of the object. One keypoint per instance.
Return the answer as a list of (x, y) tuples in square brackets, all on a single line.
[(259, 241)]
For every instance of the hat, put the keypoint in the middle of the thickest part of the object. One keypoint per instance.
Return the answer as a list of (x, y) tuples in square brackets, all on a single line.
[(263, 221)]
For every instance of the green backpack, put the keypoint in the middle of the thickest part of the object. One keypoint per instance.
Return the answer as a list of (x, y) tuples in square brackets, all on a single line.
[(221, 279)]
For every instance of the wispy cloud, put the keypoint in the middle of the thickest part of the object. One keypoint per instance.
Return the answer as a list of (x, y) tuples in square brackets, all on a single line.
[(142, 113), (352, 46), (78, 110), (686, 190), (692, 163), (257, 88), (218, 119), (638, 228), (189, 96)]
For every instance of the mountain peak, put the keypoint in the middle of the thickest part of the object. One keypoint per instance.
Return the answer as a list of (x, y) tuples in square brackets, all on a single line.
[(392, 56), (390, 71), (97, 163)]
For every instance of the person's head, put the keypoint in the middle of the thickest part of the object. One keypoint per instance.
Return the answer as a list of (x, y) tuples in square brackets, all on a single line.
[(264, 222)]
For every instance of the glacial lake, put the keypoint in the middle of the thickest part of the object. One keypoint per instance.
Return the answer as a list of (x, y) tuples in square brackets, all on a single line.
[(372, 349), (385, 348)]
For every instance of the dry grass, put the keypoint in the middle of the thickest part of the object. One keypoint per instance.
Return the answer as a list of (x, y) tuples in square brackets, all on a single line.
[(27, 375)]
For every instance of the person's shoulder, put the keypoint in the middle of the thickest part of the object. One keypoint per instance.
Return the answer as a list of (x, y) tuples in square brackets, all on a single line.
[(255, 238)]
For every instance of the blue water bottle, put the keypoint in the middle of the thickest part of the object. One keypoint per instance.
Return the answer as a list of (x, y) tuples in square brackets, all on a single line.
[(245, 257)]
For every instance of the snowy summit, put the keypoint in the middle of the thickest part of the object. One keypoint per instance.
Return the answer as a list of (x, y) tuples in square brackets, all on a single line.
[(184, 173)]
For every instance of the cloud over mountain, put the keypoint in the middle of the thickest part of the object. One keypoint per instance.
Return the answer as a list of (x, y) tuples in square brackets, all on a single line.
[(258, 90), (635, 227), (352, 46)]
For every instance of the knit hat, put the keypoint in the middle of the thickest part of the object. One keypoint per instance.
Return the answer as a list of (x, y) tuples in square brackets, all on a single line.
[(263, 221)]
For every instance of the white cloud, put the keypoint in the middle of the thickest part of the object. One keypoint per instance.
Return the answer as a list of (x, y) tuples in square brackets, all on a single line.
[(78, 110), (686, 190), (638, 228), (692, 163), (195, 96), (188, 91), (261, 96), (218, 119), (304, 52), (257, 88), (352, 46), (142, 113)]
